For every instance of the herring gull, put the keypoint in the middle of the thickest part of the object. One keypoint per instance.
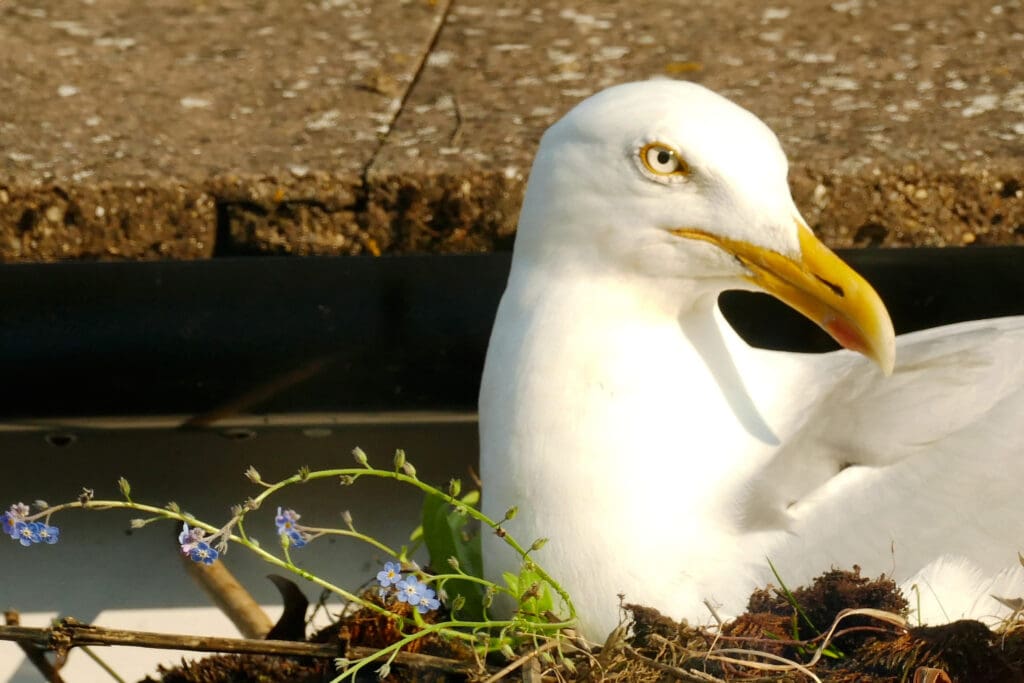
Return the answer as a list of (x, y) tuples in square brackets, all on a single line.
[(667, 460)]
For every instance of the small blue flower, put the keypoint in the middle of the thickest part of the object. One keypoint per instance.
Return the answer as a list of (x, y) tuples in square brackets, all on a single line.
[(390, 575), (203, 553), (10, 521), (287, 527), (14, 514), (428, 603), (189, 539), (27, 532), (48, 534), (296, 538), (428, 599), (286, 520), (410, 590)]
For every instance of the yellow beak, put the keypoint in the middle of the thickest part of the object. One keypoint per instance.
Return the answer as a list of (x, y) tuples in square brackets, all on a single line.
[(820, 286)]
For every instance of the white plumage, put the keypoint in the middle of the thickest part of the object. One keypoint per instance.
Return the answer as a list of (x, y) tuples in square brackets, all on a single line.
[(665, 458)]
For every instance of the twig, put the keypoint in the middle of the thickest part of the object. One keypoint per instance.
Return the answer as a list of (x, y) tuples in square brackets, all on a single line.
[(34, 653), (69, 633), (528, 657), (784, 665), (681, 674), (414, 660)]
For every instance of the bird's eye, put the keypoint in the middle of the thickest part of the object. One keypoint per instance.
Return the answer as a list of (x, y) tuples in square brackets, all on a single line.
[(662, 160)]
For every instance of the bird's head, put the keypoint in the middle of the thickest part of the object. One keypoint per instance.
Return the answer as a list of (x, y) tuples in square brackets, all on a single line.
[(668, 180)]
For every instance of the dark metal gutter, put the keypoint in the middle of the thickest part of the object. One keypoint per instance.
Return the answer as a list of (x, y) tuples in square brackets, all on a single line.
[(291, 335)]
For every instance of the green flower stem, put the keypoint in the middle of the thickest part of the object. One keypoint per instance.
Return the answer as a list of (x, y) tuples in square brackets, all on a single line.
[(241, 540), (352, 474), (440, 578), (124, 505), (448, 628), (241, 529), (313, 578), (369, 540), (355, 473)]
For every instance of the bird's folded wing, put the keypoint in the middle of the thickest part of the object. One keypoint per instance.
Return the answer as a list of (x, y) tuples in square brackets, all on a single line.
[(954, 391)]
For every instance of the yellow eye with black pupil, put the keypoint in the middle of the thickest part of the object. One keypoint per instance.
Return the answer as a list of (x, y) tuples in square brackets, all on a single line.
[(662, 160)]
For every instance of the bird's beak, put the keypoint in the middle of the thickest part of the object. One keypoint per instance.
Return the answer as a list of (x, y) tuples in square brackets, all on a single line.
[(821, 286)]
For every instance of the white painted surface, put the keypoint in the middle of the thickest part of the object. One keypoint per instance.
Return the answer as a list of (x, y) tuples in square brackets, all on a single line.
[(99, 574)]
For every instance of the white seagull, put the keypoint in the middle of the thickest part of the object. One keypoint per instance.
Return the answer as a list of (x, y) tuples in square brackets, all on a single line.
[(667, 460)]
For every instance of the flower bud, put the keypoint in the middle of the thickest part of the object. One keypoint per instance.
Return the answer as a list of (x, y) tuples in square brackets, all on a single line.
[(253, 475), (454, 487), (399, 459), (538, 544), (360, 456), (409, 469), (511, 513), (453, 563), (507, 652)]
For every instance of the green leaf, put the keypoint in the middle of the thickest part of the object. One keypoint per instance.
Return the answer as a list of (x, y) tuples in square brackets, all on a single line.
[(449, 533), (533, 593)]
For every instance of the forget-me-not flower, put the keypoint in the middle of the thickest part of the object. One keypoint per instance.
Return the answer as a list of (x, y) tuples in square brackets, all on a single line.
[(285, 520), (202, 552), (428, 600), (296, 538), (289, 529), (16, 513), (194, 543), (409, 590), (390, 575), (9, 522), (17, 525), (27, 532), (48, 534)]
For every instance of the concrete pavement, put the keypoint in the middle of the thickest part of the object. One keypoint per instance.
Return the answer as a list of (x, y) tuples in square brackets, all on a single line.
[(176, 129)]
